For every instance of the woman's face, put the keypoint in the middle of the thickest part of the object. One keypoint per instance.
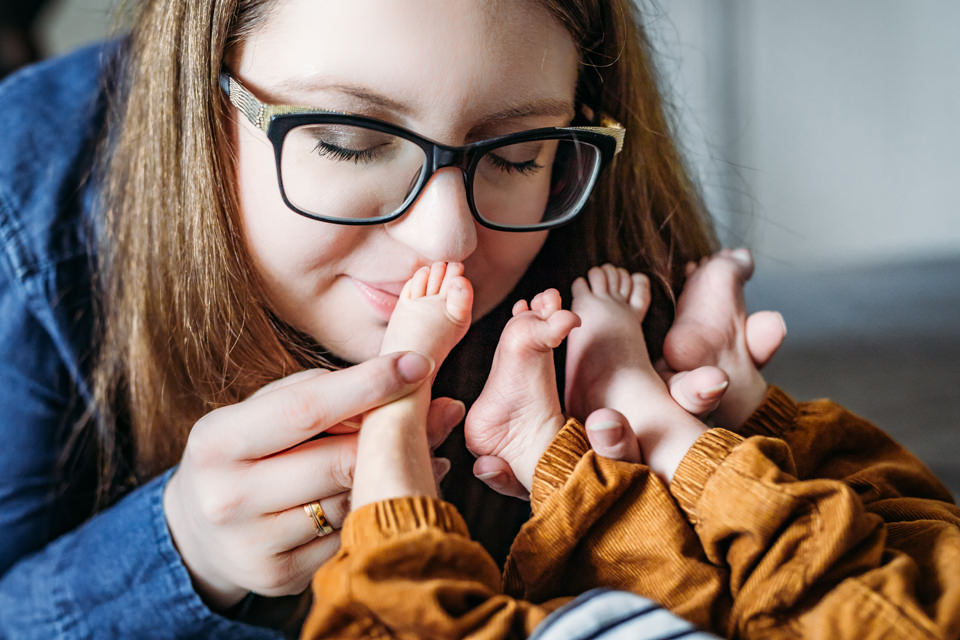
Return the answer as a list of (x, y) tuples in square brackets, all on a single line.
[(454, 71)]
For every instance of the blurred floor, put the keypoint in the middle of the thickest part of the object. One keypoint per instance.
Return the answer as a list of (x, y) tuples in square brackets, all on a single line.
[(883, 341)]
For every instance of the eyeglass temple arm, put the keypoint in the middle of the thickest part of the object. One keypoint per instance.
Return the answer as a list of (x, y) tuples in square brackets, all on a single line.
[(256, 111), (243, 100), (605, 125)]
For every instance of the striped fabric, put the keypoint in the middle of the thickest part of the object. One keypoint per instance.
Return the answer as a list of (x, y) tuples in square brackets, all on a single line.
[(604, 614)]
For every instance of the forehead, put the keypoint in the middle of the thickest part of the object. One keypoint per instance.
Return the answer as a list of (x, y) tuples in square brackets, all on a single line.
[(437, 57)]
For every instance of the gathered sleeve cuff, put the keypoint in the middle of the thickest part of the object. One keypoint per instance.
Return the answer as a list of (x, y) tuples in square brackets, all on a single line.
[(558, 462)]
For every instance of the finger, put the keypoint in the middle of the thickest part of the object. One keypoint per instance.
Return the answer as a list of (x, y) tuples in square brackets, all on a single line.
[(304, 561), (320, 467), (295, 527), (610, 436), (744, 259), (699, 391), (442, 418), (293, 378), (290, 414), (765, 332), (497, 474)]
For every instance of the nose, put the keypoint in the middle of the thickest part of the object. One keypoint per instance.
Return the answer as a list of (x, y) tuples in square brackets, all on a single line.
[(439, 225)]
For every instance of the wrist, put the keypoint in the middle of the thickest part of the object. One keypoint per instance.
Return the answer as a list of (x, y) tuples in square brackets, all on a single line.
[(216, 591)]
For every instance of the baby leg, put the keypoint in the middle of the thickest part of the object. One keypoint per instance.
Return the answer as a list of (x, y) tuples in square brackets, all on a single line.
[(608, 366), (712, 328), (518, 412), (393, 456)]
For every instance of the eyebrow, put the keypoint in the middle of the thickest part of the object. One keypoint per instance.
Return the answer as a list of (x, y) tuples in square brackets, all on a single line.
[(550, 107)]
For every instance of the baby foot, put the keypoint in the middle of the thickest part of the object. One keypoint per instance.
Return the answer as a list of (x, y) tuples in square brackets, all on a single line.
[(608, 366), (712, 328), (432, 313), (393, 451), (518, 412)]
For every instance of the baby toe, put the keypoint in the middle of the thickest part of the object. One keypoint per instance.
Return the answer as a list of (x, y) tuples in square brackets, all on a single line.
[(459, 299), (597, 278), (640, 293), (546, 302), (438, 271), (625, 284), (416, 286), (520, 306), (613, 280), (579, 287)]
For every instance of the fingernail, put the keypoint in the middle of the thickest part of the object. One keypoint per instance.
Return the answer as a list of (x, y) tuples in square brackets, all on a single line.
[(414, 367), (606, 433), (742, 256), (454, 413), (784, 323), (712, 392), (489, 475)]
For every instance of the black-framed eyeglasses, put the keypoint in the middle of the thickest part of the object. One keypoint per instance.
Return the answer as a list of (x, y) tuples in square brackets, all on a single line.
[(350, 169)]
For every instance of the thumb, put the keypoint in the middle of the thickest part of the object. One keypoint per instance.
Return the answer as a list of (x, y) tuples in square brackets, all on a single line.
[(610, 436)]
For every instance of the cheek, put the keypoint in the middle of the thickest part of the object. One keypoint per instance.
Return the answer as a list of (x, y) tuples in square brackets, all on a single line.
[(295, 257)]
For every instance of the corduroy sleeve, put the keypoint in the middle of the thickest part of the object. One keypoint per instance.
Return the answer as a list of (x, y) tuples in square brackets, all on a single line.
[(807, 558), (600, 522), (827, 441), (408, 569)]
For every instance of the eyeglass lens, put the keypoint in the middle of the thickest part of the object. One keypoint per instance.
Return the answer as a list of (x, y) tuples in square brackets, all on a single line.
[(351, 172)]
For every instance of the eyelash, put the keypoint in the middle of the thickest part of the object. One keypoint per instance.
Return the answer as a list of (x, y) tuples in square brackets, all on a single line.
[(523, 168), (348, 155)]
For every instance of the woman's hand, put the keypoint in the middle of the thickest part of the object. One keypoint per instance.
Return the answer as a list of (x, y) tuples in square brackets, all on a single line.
[(234, 505), (712, 330)]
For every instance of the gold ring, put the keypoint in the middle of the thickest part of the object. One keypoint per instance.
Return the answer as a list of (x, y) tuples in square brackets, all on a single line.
[(315, 511)]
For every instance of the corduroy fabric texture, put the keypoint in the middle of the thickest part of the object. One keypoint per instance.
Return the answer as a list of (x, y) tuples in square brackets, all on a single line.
[(809, 523)]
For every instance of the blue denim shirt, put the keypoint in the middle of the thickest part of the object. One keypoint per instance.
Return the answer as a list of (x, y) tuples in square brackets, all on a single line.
[(64, 574)]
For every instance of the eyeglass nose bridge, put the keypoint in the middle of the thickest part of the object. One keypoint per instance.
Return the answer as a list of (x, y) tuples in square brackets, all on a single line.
[(444, 157)]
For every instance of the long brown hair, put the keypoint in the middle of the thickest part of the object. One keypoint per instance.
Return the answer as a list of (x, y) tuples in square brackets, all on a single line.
[(185, 326)]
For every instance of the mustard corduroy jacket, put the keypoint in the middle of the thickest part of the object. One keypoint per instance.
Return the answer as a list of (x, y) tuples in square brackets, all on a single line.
[(808, 523)]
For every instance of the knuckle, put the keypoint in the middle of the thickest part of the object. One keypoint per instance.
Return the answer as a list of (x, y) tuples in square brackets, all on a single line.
[(339, 508), (221, 507), (201, 446), (281, 576), (274, 580), (304, 409), (382, 376), (341, 471), (344, 463)]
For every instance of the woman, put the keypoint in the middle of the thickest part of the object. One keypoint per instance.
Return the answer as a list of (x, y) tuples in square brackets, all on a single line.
[(195, 340)]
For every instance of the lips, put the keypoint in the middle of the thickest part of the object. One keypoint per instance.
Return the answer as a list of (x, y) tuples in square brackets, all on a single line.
[(381, 296)]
